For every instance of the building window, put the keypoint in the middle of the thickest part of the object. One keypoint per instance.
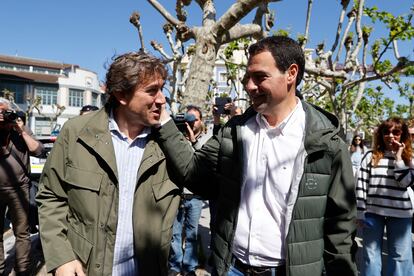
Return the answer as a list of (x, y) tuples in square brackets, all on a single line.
[(75, 97), (223, 77), (7, 66), (16, 88), (95, 99), (44, 70), (48, 95)]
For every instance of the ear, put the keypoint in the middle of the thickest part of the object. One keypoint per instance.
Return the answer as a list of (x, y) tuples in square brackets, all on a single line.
[(292, 73), (121, 98)]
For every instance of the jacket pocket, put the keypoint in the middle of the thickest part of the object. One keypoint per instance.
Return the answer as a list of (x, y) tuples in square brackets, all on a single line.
[(164, 188), (82, 188), (83, 179), (80, 245)]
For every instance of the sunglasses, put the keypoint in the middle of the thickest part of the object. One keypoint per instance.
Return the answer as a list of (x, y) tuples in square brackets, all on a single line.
[(395, 132)]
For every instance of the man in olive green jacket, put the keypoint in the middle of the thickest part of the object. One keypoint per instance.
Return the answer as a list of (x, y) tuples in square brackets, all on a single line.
[(106, 178), (286, 201)]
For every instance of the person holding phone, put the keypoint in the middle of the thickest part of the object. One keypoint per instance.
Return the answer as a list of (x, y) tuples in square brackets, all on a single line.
[(384, 200)]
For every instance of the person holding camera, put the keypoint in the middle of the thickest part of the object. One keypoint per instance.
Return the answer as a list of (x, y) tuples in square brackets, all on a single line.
[(184, 259), (17, 144)]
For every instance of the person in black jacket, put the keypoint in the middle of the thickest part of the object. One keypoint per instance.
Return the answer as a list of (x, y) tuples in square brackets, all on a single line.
[(17, 143)]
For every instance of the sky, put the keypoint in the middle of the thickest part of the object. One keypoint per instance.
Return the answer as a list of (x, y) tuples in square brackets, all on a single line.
[(89, 33)]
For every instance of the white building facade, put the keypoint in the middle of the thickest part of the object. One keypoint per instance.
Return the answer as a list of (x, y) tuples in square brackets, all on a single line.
[(59, 85)]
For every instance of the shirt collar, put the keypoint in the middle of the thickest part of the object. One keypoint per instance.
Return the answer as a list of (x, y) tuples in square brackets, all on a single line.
[(114, 128), (277, 130)]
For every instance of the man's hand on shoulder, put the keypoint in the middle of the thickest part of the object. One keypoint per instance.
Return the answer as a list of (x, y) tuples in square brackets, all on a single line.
[(71, 268)]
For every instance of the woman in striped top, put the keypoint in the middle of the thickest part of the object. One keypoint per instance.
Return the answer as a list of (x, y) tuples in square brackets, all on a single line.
[(384, 199)]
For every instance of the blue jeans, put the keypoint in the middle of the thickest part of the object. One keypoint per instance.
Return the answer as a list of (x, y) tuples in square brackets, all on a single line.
[(234, 272), (187, 222), (399, 243)]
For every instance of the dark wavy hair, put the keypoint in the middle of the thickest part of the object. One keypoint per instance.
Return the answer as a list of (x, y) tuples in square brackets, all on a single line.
[(354, 145), (129, 70), (379, 144)]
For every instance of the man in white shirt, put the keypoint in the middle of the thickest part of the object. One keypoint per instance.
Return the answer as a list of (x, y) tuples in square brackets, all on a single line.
[(282, 174)]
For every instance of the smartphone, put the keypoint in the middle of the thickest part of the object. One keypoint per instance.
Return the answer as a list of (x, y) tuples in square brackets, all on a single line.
[(220, 102)]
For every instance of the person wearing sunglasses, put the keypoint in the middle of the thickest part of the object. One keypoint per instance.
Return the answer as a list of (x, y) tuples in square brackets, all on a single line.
[(357, 150), (384, 200)]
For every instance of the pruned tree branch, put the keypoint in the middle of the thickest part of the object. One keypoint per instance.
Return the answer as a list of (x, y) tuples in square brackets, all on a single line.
[(234, 14), (326, 73), (351, 16), (344, 4), (135, 20), (158, 47), (240, 31), (183, 31), (398, 68), (358, 30), (160, 8), (307, 24)]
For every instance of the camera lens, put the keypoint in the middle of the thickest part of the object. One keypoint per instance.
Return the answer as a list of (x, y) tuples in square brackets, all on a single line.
[(9, 115)]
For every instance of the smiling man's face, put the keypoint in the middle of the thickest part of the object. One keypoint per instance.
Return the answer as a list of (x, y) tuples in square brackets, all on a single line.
[(266, 85), (144, 104)]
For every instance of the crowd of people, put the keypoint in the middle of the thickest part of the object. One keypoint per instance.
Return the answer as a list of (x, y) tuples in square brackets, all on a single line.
[(122, 189)]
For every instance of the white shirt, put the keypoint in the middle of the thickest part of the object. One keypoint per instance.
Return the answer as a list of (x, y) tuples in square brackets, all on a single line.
[(269, 156)]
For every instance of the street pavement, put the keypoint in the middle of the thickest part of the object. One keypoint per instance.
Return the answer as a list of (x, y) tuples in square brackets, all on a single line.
[(39, 269)]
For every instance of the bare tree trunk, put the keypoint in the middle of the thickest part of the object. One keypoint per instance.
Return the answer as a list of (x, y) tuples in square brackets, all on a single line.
[(201, 72)]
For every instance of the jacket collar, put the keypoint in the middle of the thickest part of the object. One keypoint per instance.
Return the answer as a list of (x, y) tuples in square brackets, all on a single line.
[(152, 155), (97, 137), (95, 134), (320, 126)]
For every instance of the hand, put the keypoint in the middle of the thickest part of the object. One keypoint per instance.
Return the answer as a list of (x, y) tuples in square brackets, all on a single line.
[(19, 126), (399, 148), (229, 106), (71, 268), (216, 115), (164, 116), (190, 133)]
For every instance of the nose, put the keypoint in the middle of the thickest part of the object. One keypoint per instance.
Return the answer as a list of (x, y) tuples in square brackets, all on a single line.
[(250, 85), (160, 98)]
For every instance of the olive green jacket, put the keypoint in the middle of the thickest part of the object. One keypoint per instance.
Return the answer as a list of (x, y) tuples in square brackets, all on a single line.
[(320, 217), (78, 201)]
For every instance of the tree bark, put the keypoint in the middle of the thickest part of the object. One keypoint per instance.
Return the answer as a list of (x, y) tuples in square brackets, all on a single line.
[(201, 70)]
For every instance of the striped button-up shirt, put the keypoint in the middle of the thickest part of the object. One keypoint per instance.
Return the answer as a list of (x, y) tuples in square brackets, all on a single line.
[(128, 158)]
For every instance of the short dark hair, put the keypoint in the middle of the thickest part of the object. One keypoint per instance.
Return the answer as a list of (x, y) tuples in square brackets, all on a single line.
[(196, 108), (285, 52), (129, 70)]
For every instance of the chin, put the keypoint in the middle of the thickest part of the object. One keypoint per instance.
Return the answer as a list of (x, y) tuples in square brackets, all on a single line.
[(259, 107)]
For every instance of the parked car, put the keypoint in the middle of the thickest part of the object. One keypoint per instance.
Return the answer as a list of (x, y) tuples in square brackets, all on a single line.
[(37, 163)]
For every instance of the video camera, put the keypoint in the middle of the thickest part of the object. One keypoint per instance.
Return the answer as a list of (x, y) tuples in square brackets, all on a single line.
[(181, 118), (9, 116)]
